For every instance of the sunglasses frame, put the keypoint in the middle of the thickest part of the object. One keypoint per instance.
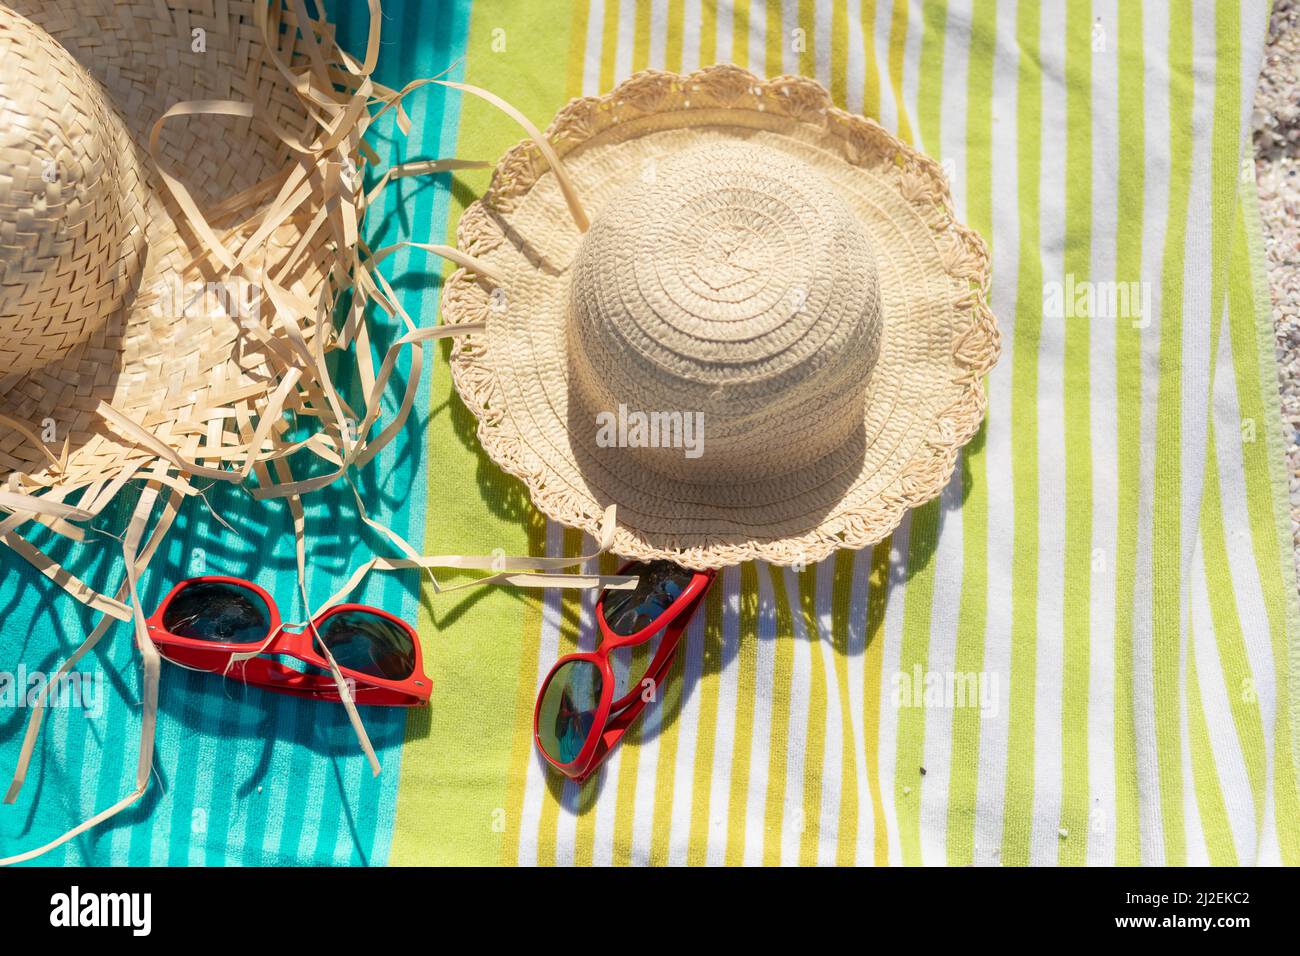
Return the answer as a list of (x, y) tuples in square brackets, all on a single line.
[(268, 674), (614, 717)]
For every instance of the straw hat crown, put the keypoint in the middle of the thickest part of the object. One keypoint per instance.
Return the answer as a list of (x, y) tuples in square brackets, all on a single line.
[(73, 202), (729, 283)]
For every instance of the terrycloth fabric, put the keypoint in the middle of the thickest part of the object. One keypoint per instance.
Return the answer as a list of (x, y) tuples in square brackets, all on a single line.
[(243, 776), (1087, 650)]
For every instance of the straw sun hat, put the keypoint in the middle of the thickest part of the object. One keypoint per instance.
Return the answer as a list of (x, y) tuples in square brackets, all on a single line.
[(746, 317), (103, 288)]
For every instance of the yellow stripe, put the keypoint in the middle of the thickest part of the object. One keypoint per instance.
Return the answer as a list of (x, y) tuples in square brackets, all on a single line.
[(740, 33), (666, 769), (641, 41), (673, 38), (746, 681), (839, 52), (708, 33), (568, 644), (628, 770), (775, 40), (609, 46), (873, 665), (778, 734), (1205, 776), (841, 597), (897, 47), (870, 68), (577, 49), (706, 732), (521, 747), (815, 734), (808, 23)]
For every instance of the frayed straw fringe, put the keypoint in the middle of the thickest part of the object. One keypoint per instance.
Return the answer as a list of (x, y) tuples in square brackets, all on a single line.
[(338, 93)]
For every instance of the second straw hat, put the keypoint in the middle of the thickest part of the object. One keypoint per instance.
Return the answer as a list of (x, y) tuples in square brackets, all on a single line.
[(768, 343)]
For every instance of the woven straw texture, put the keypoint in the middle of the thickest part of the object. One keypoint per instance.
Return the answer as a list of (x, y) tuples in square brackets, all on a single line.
[(790, 273), (89, 312)]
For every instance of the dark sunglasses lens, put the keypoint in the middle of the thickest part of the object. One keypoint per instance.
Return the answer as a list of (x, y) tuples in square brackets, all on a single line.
[(568, 712), (661, 583), (218, 611), (369, 644)]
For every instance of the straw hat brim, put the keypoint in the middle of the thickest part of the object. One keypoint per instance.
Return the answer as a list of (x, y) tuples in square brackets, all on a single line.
[(164, 366), (925, 398)]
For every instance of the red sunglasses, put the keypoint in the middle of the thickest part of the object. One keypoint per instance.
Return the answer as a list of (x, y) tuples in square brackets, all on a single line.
[(577, 721), (204, 621)]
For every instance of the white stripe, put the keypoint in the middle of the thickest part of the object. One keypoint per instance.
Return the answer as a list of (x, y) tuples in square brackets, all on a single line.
[(828, 826), (643, 805), (891, 666), (1195, 363), (724, 29), (789, 24), (688, 723), (658, 33), (725, 735), (1252, 610), (994, 726), (822, 31), (606, 809), (626, 40), (855, 69), (566, 824), (942, 660), (1155, 40), (912, 66), (864, 852), (1045, 839), (888, 103), (1225, 746), (548, 650), (760, 745), (691, 26), (794, 819), (595, 35), (758, 40), (1104, 415)]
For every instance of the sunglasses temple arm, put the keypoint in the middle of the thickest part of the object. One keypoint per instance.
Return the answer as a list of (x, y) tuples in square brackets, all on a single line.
[(617, 725)]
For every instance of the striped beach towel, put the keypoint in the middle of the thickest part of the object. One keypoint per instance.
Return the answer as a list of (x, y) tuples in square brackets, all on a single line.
[(1086, 650)]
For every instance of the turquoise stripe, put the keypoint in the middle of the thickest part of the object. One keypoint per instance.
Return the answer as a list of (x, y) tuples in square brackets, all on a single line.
[(232, 764)]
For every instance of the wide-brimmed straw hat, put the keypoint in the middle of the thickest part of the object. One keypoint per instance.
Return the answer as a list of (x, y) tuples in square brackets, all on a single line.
[(747, 318), (109, 293)]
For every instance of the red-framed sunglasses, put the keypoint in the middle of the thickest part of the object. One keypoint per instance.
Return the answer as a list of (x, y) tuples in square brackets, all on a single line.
[(202, 622), (588, 701)]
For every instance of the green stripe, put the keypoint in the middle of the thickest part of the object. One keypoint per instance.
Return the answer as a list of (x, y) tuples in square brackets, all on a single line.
[(1166, 537), (1024, 462), (1130, 196), (929, 106), (1205, 776), (973, 612), (1077, 579), (452, 796)]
